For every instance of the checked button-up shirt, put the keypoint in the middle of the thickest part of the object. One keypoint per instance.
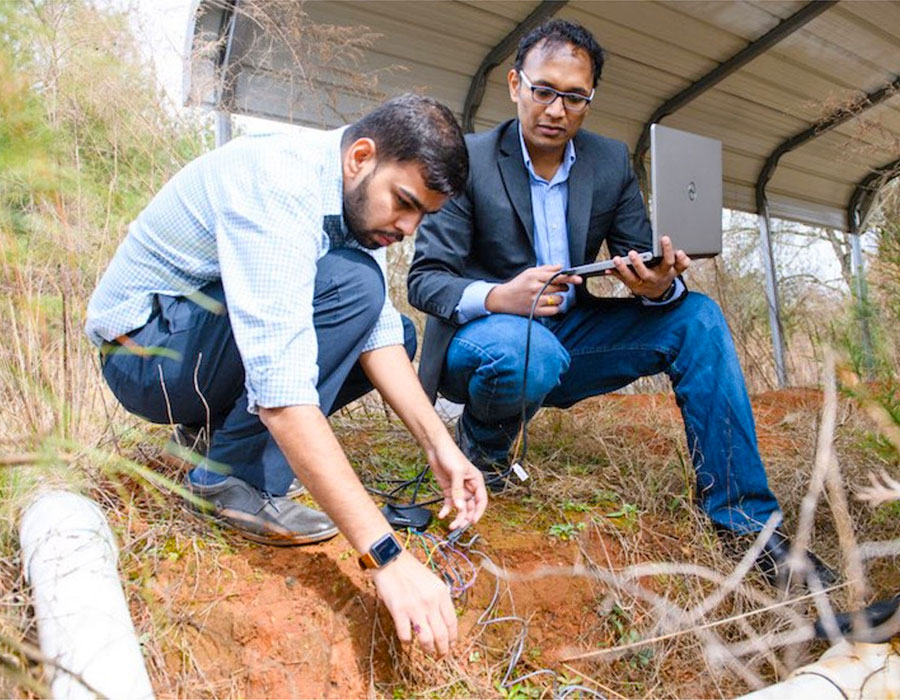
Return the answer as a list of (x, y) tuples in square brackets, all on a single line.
[(255, 213)]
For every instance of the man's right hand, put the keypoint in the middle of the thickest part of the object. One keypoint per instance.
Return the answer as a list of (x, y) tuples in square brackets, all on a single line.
[(517, 295), (419, 602)]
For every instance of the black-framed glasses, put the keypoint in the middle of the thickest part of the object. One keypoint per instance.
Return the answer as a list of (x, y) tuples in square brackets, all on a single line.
[(573, 101)]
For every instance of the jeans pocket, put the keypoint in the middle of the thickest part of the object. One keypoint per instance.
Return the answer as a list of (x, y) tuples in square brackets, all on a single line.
[(185, 312)]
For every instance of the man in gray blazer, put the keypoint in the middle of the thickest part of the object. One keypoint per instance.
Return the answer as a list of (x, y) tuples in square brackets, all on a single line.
[(542, 196)]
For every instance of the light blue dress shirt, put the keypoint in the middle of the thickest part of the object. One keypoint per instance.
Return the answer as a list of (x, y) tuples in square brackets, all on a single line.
[(257, 214), (549, 206)]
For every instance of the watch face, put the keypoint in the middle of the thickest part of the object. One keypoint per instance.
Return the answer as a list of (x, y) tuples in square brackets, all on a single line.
[(385, 549)]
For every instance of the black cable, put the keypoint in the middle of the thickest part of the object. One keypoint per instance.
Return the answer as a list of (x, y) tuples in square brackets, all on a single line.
[(524, 451), (495, 478)]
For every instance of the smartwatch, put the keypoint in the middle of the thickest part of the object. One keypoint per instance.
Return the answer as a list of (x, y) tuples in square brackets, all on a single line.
[(385, 550)]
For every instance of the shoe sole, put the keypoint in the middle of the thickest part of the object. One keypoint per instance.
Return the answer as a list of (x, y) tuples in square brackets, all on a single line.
[(230, 520), (278, 541), (286, 539)]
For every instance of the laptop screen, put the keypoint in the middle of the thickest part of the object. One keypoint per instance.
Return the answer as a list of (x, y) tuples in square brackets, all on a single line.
[(686, 186)]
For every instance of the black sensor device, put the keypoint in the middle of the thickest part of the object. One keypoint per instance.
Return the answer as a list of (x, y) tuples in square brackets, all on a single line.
[(403, 517)]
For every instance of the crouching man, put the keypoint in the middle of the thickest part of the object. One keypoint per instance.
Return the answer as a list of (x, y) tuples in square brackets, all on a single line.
[(249, 299)]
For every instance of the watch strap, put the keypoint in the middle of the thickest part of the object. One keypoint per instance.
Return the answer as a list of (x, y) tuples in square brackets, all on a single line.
[(367, 561), (666, 295)]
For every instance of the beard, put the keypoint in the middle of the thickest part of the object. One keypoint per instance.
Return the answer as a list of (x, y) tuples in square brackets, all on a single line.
[(356, 210)]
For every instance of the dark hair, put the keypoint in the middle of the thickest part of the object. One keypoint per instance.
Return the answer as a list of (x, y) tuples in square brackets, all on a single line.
[(557, 32), (413, 128)]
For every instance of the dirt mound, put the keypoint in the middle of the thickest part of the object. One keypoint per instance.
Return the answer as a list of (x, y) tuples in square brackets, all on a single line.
[(305, 622)]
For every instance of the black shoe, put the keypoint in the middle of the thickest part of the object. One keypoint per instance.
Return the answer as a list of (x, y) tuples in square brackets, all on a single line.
[(275, 520), (874, 615), (773, 561), (496, 474)]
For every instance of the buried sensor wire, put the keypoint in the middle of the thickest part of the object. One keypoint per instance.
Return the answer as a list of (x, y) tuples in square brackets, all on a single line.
[(451, 563), (560, 692)]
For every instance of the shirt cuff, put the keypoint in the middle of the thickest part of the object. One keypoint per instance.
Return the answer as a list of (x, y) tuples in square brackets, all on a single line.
[(678, 289), (471, 304), (276, 394)]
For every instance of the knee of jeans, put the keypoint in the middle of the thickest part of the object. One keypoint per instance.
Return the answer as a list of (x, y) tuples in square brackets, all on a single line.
[(704, 315), (409, 337), (548, 361)]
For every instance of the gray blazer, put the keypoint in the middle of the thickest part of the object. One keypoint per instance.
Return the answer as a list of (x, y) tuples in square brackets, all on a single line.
[(487, 233)]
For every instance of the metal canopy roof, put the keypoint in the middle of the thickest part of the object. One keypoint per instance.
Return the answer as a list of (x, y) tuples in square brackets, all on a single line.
[(802, 95)]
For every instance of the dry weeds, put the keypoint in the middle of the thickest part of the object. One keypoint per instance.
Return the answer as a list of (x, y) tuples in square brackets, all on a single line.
[(668, 610)]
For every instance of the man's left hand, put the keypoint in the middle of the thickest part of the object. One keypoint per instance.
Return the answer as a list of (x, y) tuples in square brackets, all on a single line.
[(651, 282), (462, 484)]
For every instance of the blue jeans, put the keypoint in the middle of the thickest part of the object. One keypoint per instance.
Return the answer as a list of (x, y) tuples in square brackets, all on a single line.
[(597, 349), (200, 381)]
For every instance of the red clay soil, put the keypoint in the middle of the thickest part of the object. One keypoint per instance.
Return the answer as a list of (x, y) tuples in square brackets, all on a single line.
[(298, 622)]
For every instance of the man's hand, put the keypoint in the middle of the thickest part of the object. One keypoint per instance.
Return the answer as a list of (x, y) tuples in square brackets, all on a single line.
[(517, 295), (416, 598), (462, 484), (419, 603), (391, 373), (651, 282)]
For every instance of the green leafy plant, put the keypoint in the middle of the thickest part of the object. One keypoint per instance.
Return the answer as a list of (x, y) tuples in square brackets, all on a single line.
[(566, 531)]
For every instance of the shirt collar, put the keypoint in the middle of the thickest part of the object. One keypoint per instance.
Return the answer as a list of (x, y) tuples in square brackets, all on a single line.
[(332, 172), (562, 174), (333, 186)]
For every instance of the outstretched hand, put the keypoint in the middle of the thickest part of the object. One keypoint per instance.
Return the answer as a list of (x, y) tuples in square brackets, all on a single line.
[(419, 603), (462, 484)]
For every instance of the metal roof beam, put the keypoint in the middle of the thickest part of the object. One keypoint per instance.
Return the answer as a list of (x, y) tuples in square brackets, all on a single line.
[(225, 91), (866, 191), (545, 10), (782, 30), (836, 118)]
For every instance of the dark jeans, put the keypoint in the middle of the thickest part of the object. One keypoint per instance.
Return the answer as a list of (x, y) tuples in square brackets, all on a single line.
[(195, 375), (594, 350)]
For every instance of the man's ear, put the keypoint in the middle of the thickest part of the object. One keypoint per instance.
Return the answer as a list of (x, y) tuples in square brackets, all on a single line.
[(512, 80), (359, 156)]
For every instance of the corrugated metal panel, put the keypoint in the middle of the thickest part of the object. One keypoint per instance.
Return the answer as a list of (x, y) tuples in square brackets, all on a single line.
[(655, 50)]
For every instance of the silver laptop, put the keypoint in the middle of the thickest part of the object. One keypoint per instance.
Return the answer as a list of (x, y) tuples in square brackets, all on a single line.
[(686, 182)]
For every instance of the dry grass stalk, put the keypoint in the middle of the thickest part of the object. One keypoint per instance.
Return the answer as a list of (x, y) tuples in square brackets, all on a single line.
[(883, 489)]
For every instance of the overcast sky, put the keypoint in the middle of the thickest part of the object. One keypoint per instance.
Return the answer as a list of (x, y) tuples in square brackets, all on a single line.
[(162, 24)]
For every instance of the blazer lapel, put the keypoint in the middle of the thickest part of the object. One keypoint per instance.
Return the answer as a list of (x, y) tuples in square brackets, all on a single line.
[(515, 177), (579, 208)]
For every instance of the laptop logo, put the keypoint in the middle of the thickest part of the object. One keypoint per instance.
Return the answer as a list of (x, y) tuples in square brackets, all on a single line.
[(692, 192)]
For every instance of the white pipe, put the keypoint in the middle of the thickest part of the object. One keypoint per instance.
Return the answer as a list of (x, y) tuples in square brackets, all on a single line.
[(855, 671), (69, 556)]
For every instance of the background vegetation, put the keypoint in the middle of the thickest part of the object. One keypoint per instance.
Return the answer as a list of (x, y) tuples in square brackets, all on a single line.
[(87, 137)]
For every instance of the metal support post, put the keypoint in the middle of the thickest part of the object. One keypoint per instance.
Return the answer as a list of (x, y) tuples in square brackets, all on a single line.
[(223, 127), (862, 302), (768, 260)]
